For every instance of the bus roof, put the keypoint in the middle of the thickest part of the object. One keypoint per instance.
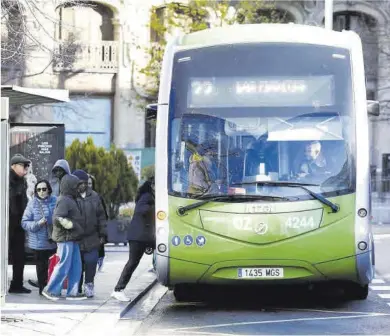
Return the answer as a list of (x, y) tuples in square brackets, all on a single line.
[(268, 32)]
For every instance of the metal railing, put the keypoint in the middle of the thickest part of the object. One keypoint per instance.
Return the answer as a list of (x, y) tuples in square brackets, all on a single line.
[(87, 57)]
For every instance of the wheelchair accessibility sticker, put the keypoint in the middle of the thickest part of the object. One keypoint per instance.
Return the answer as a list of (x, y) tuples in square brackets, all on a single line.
[(188, 240)]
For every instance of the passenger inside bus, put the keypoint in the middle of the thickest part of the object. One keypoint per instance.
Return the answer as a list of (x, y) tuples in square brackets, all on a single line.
[(202, 169)]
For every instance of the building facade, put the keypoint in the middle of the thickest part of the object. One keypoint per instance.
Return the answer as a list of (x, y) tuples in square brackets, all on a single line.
[(96, 51)]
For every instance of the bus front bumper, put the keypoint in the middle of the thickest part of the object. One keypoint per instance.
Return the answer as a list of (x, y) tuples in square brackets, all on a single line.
[(263, 271)]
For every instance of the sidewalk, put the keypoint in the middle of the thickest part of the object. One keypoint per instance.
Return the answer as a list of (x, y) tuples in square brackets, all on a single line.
[(380, 208), (31, 314), (380, 229)]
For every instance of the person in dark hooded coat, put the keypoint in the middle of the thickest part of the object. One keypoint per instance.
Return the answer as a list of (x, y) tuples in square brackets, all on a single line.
[(59, 170), (66, 231), (140, 235)]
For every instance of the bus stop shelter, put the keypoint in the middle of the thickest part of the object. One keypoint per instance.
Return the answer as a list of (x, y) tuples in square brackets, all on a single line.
[(12, 95)]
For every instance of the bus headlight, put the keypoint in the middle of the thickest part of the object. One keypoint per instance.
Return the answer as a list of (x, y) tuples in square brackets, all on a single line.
[(161, 231), (161, 215), (362, 212), (161, 248), (362, 245)]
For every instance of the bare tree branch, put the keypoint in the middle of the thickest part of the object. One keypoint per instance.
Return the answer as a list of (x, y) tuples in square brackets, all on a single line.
[(19, 39)]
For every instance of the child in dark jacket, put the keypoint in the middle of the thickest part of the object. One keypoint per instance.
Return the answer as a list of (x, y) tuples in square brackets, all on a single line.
[(66, 231)]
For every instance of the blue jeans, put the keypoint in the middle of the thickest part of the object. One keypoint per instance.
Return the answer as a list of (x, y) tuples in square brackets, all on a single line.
[(68, 266), (89, 262)]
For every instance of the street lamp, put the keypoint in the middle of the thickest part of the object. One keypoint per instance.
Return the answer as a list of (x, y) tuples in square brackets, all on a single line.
[(329, 14)]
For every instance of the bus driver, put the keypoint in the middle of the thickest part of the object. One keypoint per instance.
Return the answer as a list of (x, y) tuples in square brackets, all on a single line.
[(314, 162)]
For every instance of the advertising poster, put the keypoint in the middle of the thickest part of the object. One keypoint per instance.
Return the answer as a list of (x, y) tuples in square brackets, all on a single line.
[(134, 159), (43, 144)]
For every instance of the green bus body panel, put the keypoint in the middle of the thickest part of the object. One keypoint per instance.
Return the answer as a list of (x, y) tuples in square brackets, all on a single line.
[(243, 227), (305, 237), (342, 269), (185, 271)]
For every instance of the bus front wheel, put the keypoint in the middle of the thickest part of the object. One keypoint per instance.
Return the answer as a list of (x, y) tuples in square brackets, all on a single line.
[(355, 291), (184, 293)]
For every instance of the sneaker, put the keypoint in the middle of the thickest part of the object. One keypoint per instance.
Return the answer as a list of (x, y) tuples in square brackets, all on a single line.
[(120, 296), (19, 290), (76, 297), (88, 290), (50, 296), (33, 283)]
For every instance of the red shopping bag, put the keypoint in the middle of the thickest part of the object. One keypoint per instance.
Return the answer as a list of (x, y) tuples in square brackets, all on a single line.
[(53, 261)]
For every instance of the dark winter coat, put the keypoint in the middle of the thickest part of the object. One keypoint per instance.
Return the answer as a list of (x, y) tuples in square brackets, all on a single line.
[(94, 220), (17, 202), (142, 225), (67, 207)]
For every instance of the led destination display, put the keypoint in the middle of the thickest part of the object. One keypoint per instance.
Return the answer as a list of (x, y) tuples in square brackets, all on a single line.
[(280, 91)]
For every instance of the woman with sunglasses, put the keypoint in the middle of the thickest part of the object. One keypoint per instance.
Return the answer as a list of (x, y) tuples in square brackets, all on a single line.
[(36, 221)]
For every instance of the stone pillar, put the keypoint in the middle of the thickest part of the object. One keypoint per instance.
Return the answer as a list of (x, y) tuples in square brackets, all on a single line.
[(128, 128)]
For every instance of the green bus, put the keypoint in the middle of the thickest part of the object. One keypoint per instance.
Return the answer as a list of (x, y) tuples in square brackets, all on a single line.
[(262, 159)]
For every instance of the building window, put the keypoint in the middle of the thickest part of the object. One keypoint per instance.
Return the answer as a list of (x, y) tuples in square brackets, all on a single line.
[(157, 25), (150, 133), (353, 21), (371, 95), (85, 116), (86, 21)]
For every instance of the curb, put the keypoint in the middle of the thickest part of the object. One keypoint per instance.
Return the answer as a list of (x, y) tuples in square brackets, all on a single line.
[(132, 303)]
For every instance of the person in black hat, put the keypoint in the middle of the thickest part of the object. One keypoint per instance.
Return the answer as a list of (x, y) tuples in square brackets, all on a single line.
[(94, 225), (17, 204)]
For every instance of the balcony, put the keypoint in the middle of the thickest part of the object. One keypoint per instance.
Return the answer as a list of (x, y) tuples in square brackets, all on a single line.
[(80, 56)]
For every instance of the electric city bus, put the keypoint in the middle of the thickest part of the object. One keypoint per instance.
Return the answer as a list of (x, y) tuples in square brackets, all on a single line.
[(262, 159)]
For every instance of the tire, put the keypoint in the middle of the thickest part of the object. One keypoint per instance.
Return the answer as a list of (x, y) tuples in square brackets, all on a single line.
[(355, 291), (184, 293)]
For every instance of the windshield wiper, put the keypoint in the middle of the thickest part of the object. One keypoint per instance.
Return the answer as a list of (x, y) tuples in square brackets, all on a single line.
[(231, 198), (334, 207)]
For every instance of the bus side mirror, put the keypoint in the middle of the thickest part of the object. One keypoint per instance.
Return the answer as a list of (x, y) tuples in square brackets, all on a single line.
[(373, 107), (151, 111)]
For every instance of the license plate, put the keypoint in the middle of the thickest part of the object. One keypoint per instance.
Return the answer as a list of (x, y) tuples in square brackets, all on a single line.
[(260, 272)]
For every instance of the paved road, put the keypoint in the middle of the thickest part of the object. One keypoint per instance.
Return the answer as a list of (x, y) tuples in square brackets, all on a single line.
[(279, 312)]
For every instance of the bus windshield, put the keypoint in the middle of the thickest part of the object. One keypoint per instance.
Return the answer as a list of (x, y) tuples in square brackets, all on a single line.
[(249, 113)]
